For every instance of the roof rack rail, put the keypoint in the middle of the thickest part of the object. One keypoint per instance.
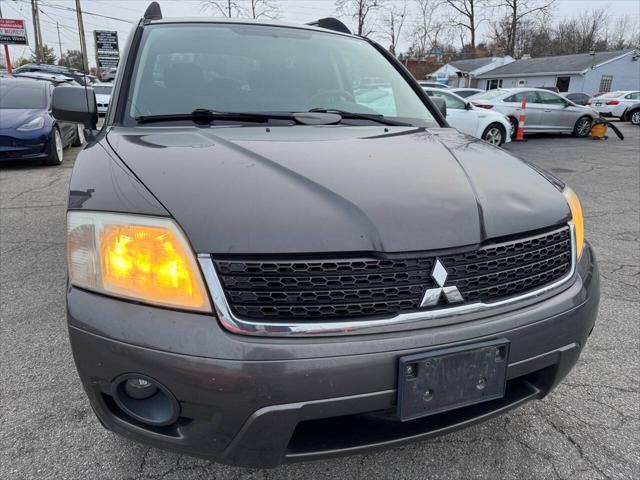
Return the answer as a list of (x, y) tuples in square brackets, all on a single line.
[(331, 23), (153, 12)]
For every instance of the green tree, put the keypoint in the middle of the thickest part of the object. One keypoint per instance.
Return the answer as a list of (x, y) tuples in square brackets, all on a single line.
[(72, 59), (48, 54)]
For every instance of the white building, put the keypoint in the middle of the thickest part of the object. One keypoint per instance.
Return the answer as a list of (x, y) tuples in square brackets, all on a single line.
[(463, 73), (585, 72)]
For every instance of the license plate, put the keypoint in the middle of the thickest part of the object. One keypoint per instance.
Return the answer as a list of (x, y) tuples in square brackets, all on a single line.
[(434, 382), (598, 104)]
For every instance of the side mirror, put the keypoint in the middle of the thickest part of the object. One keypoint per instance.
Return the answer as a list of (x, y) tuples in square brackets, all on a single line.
[(440, 105), (75, 104), (468, 106)]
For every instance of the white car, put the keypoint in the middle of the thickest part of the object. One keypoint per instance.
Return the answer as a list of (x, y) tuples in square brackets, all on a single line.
[(103, 96), (614, 104), (493, 127), (432, 84)]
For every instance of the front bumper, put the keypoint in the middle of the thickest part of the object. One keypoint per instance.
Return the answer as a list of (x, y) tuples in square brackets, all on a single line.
[(24, 146), (261, 401)]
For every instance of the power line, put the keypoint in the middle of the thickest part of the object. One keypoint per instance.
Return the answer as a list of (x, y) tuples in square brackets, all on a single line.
[(71, 9)]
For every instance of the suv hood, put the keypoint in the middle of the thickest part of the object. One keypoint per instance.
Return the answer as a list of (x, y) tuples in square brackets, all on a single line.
[(304, 189)]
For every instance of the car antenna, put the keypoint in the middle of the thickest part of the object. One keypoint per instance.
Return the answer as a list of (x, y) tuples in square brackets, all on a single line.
[(331, 23), (153, 12)]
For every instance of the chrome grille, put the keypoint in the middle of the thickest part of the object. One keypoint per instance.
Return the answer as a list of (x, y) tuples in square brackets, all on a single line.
[(342, 288)]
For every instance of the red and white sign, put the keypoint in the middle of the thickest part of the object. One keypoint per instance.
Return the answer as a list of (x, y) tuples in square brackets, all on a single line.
[(13, 32)]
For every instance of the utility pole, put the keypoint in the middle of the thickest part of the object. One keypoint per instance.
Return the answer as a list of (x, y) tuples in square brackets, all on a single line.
[(83, 43), (37, 34), (6, 51), (59, 41)]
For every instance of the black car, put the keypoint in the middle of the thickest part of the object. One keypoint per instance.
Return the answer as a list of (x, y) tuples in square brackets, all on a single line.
[(273, 260), (28, 130), (578, 98)]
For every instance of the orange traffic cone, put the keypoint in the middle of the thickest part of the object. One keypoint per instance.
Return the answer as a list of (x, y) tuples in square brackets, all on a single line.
[(520, 132)]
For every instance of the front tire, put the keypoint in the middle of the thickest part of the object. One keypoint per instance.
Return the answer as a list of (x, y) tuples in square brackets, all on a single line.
[(55, 154), (494, 134), (634, 116), (582, 127), (79, 139)]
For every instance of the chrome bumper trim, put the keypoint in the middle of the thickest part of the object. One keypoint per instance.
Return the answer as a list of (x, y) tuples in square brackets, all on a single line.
[(403, 321)]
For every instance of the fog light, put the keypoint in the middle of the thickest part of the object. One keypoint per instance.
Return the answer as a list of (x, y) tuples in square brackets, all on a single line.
[(139, 388), (145, 399)]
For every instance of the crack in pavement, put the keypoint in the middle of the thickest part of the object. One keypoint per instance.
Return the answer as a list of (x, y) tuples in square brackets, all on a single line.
[(39, 188), (573, 442)]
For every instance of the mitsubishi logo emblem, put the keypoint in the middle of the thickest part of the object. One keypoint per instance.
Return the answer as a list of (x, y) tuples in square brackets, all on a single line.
[(432, 296)]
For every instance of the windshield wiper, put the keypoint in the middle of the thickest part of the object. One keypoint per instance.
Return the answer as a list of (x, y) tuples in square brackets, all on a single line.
[(362, 116), (205, 115)]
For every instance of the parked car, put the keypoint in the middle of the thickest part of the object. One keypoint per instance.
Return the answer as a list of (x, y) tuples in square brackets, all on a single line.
[(28, 131), (103, 96), (77, 75), (546, 112), (265, 268), (632, 114), (465, 92), (432, 84), (109, 74), (51, 77), (579, 98), (490, 126), (614, 104)]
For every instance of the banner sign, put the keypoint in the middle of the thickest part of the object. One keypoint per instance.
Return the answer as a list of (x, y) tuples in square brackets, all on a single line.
[(13, 32), (107, 52)]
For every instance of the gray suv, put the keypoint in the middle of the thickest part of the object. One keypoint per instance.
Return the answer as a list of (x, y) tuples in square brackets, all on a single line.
[(273, 259)]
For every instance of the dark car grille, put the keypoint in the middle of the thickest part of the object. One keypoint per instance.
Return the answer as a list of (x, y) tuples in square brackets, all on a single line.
[(307, 289), (11, 147)]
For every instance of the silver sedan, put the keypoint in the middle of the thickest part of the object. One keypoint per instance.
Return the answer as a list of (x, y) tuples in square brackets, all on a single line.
[(546, 111)]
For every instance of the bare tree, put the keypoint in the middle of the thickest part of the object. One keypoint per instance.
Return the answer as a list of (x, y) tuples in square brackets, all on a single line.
[(592, 28), (623, 33), (362, 11), (618, 33), (393, 20), (517, 12), (262, 9), (428, 27), (467, 15), (226, 8)]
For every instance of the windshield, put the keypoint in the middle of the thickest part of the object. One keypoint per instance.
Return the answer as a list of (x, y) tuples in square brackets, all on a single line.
[(102, 89), (251, 68), (25, 95)]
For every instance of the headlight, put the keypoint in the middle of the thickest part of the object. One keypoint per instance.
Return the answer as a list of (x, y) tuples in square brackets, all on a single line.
[(136, 257), (576, 218), (33, 124)]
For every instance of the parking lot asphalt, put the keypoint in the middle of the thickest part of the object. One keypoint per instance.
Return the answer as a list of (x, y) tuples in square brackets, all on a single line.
[(588, 428)]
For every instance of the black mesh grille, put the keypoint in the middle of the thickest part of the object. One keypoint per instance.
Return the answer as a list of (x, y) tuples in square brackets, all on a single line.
[(364, 287)]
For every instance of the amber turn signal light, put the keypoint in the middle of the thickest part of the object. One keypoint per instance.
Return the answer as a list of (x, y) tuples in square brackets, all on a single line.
[(140, 258)]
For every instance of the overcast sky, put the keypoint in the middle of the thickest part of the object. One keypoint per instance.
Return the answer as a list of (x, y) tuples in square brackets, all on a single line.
[(294, 11)]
